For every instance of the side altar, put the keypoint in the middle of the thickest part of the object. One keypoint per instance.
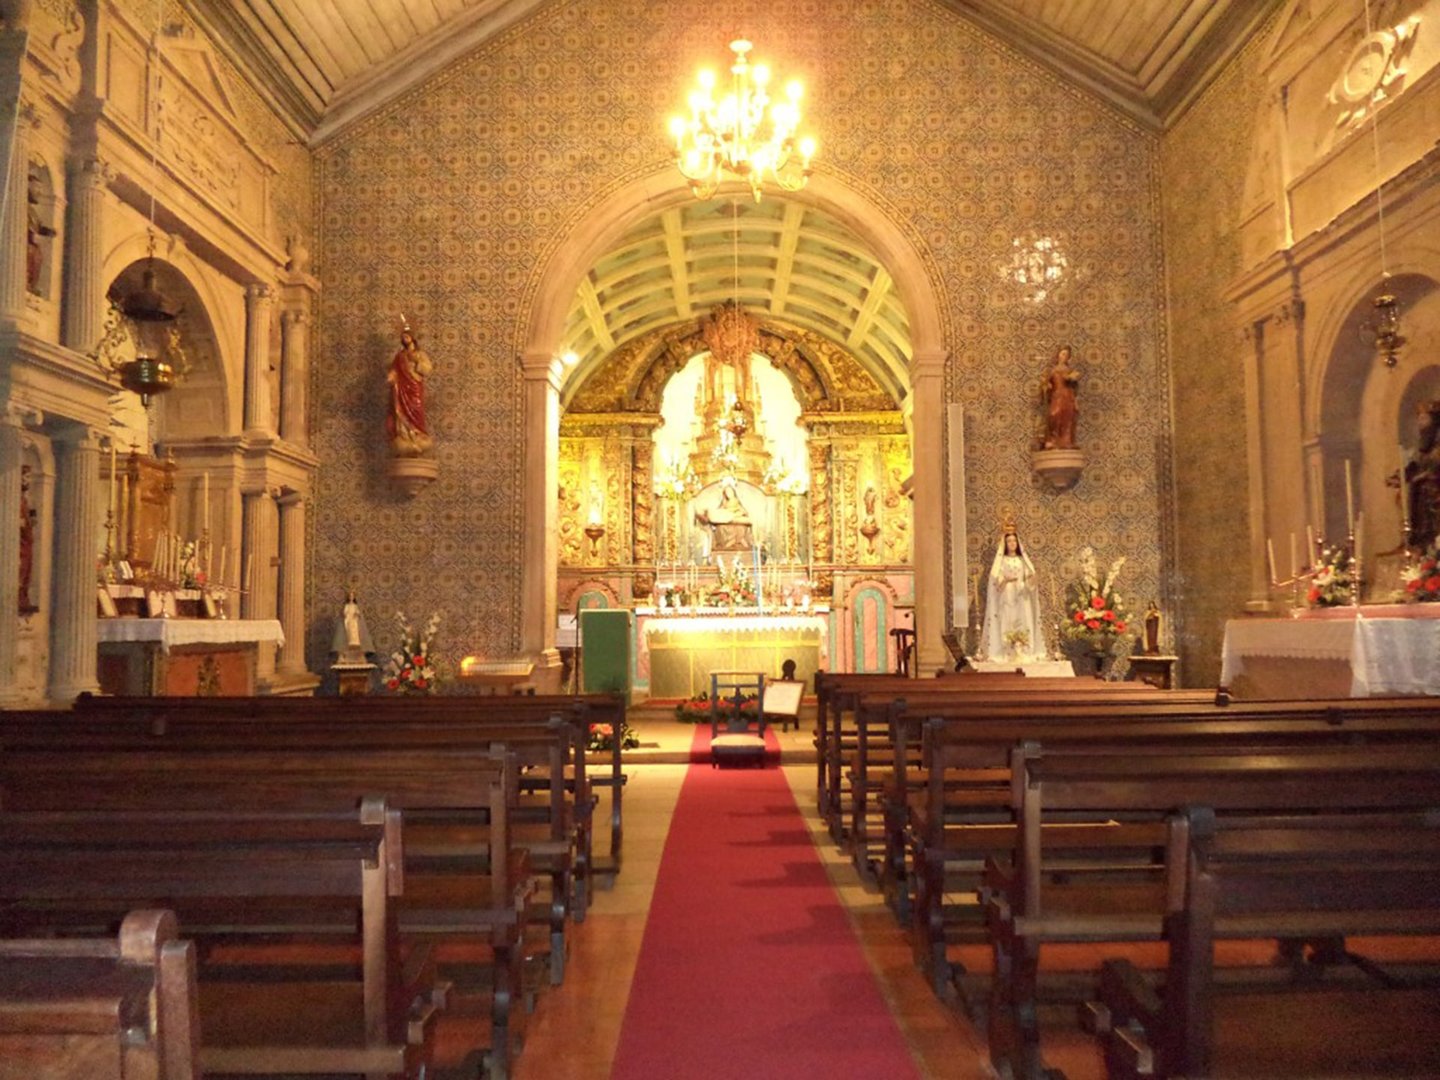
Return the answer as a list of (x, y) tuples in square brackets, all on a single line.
[(677, 652), (183, 657)]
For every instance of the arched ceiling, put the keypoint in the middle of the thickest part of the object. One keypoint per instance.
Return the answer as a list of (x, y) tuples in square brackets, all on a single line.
[(325, 63), (795, 263)]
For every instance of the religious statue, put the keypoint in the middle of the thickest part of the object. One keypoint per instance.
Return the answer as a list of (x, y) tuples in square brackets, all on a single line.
[(351, 640), (729, 523), (1012, 606), (1422, 479), (27, 543), (35, 230), (1060, 382), (406, 427)]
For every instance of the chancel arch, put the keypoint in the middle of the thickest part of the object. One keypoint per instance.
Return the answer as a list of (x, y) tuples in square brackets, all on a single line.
[(566, 310)]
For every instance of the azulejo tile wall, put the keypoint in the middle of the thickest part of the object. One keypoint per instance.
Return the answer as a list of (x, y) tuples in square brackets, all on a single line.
[(444, 206), (1204, 159)]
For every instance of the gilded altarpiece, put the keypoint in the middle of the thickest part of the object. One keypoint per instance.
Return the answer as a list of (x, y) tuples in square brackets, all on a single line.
[(676, 474)]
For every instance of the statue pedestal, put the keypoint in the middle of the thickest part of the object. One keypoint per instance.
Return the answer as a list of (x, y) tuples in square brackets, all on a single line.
[(1059, 468), (354, 679), (413, 474)]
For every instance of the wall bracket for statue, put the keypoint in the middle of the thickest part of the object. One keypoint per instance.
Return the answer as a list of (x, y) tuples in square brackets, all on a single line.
[(1060, 469)]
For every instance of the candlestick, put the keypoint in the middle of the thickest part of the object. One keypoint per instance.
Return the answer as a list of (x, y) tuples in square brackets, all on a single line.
[(123, 524), (1270, 551), (1357, 557), (1349, 501)]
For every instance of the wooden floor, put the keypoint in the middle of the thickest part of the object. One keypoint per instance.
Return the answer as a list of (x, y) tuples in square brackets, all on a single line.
[(576, 1029)]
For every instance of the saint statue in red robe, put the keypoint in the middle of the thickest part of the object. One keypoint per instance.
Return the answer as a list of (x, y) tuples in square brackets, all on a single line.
[(405, 425)]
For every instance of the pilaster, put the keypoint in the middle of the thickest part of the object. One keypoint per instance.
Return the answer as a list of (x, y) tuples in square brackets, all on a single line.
[(927, 427), (13, 230), (294, 376), (84, 301), (73, 641), (259, 302), (10, 461), (542, 373), (292, 582)]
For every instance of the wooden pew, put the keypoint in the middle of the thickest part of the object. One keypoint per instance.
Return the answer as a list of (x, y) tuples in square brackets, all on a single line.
[(1097, 878), (555, 834), (581, 710), (118, 1008), (325, 878), (980, 738), (474, 895), (1328, 876)]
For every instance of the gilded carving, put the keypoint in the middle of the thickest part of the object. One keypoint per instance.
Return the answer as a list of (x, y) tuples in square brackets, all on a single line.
[(570, 516), (641, 489), (821, 526)]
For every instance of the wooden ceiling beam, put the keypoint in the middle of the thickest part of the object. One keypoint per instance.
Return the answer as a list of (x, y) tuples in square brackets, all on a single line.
[(785, 257), (679, 262)]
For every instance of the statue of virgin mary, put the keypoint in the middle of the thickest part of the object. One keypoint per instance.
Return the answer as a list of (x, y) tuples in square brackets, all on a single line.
[(1012, 605)]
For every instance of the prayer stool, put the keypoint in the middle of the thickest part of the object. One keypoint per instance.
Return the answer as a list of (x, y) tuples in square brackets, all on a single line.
[(736, 744)]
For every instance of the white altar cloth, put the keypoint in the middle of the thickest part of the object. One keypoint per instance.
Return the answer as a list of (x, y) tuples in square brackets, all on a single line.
[(1034, 668), (1385, 655), (172, 632)]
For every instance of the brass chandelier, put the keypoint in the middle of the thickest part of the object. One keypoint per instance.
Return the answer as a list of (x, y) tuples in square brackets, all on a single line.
[(743, 135)]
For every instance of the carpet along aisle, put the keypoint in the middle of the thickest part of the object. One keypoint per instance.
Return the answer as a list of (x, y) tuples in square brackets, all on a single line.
[(749, 965)]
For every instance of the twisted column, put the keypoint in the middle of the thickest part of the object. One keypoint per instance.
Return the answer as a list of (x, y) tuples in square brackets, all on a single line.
[(77, 538)]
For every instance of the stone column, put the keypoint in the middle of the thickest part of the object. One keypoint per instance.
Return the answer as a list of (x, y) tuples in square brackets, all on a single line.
[(10, 461), (259, 299), (292, 582), (13, 228), (540, 550), (77, 537), (927, 391), (261, 540), (294, 375), (84, 301)]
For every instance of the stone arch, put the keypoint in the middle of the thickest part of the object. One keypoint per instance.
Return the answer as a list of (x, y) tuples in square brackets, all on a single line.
[(540, 327), (218, 338)]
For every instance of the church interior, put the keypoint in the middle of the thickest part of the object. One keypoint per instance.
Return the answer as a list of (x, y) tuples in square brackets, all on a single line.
[(404, 394)]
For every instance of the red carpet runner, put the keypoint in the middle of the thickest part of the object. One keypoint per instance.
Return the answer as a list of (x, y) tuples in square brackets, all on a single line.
[(749, 966)]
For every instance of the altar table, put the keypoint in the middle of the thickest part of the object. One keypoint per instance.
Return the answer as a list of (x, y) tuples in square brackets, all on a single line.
[(1369, 651), (183, 657), (677, 653)]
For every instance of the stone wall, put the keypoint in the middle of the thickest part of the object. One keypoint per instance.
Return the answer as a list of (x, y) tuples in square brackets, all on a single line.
[(442, 207)]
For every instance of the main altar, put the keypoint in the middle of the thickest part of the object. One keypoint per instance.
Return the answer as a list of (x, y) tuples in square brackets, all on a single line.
[(676, 653)]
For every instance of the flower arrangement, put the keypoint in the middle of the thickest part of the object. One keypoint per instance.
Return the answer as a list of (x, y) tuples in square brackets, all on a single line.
[(1422, 580), (1017, 641), (1333, 583), (1094, 611), (735, 585), (191, 576), (410, 669), (697, 709), (602, 737)]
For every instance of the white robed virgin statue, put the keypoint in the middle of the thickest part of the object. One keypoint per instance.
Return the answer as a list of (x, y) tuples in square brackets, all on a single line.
[(1012, 605)]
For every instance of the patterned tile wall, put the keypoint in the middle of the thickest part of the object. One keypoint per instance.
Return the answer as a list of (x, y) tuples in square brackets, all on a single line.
[(1202, 209), (443, 205)]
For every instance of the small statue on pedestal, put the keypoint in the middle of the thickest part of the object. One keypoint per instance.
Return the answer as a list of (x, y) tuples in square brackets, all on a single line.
[(352, 645)]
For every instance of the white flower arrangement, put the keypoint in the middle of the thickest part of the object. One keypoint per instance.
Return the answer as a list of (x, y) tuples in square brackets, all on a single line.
[(410, 669)]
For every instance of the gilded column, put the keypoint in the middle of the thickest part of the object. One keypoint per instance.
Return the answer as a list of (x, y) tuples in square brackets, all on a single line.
[(542, 373), (294, 375), (927, 428), (642, 497), (292, 582), (822, 529), (84, 301), (10, 461), (259, 300), (78, 522)]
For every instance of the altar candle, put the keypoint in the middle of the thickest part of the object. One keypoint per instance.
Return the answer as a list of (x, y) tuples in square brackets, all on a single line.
[(224, 559), (1309, 546), (250, 571), (1270, 550), (113, 471), (1349, 501), (1359, 552), (1294, 558), (205, 500)]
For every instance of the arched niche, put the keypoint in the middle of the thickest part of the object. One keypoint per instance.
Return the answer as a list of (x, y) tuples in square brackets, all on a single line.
[(42, 217), (1367, 411), (199, 403)]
